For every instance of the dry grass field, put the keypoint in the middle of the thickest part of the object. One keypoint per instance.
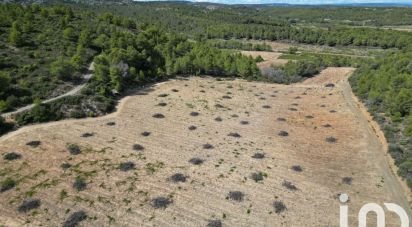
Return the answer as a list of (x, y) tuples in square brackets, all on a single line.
[(203, 152)]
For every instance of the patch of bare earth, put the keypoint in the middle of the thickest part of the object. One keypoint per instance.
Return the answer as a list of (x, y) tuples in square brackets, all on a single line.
[(210, 174)]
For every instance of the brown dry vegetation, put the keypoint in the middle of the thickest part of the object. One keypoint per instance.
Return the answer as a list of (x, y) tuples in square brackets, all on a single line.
[(130, 198)]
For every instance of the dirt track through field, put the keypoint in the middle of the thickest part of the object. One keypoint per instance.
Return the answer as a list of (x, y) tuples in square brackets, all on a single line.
[(252, 117)]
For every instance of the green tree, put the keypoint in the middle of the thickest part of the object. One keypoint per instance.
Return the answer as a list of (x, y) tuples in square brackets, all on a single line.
[(62, 69), (15, 36)]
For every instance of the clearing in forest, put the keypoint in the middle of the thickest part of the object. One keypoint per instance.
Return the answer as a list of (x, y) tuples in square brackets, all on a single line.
[(200, 152)]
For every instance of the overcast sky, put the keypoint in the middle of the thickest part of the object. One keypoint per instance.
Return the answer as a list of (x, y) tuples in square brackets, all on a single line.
[(302, 1)]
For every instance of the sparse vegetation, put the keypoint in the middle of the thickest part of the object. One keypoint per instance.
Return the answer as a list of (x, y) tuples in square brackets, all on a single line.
[(331, 139), (244, 122), (74, 149), (75, 218), (258, 176), (208, 146), (34, 143), (297, 168), (258, 155), (80, 184), (126, 166), (145, 133), (11, 156), (237, 196), (138, 147), (347, 180), (192, 127), (196, 161), (158, 115), (218, 119), (234, 134), (65, 166), (28, 205), (279, 207), (178, 177), (7, 184), (161, 202), (214, 223), (283, 133), (289, 185), (194, 114), (87, 134)]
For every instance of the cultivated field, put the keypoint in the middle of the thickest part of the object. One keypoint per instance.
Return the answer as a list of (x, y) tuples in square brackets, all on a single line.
[(248, 154)]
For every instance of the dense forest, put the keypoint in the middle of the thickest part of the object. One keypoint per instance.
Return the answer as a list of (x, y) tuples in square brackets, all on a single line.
[(242, 22), (46, 49)]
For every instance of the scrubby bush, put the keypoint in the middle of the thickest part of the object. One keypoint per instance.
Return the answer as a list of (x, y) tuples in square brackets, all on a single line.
[(178, 177), (74, 149), (234, 134), (331, 139), (297, 168), (283, 133), (28, 205), (74, 219), (158, 115), (194, 114), (12, 156), (138, 147), (258, 155), (208, 146), (214, 223), (34, 143), (87, 134), (279, 207), (236, 196), (196, 161), (126, 166), (161, 202), (192, 127), (258, 176), (7, 184), (219, 119), (289, 185), (145, 133), (65, 166), (244, 122), (347, 180), (79, 184)]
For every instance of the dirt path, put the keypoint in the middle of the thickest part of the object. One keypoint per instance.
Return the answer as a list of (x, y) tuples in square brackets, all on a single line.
[(73, 91), (377, 143), (317, 171)]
